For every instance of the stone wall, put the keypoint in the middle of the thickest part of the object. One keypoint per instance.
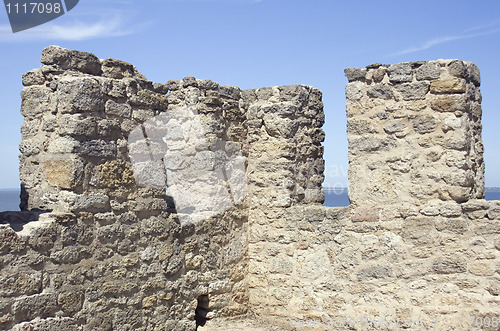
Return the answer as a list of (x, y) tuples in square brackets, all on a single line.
[(100, 243), (414, 133)]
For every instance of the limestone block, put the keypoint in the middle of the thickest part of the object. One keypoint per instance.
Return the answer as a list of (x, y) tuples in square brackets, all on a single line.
[(63, 145), (80, 95), (118, 69), (453, 85), (354, 91), (361, 214), (457, 68), (354, 74), (428, 71), (424, 124), (413, 91), (37, 100), (449, 266), (380, 91), (33, 77), (480, 268), (38, 305), (375, 272), (118, 109), (97, 147), (473, 73), (449, 103), (71, 59), (115, 174), (66, 173), (92, 201), (399, 73), (76, 125)]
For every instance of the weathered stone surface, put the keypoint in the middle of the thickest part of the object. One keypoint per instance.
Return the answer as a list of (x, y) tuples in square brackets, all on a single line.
[(457, 68), (66, 173), (71, 301), (424, 124), (38, 305), (428, 71), (354, 74), (366, 215), (375, 272), (118, 109), (413, 91), (454, 85), (449, 266), (399, 73), (395, 126), (120, 253), (80, 95), (33, 77), (118, 69), (71, 60), (354, 91), (381, 91)]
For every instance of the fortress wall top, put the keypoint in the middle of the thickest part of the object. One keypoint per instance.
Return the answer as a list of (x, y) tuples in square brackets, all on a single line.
[(153, 206), (414, 132)]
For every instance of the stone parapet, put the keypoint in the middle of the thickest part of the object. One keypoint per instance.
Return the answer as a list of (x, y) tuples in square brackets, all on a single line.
[(414, 132)]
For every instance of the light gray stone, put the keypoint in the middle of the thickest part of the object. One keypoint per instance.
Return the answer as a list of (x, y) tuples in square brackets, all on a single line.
[(413, 91), (399, 73)]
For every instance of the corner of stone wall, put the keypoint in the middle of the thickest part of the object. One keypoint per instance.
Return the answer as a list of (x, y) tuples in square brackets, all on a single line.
[(414, 132)]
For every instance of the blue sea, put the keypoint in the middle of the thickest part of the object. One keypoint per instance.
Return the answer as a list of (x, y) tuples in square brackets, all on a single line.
[(9, 198), (339, 197)]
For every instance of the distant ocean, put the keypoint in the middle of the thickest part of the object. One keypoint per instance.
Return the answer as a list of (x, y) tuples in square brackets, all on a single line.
[(339, 197), (9, 198)]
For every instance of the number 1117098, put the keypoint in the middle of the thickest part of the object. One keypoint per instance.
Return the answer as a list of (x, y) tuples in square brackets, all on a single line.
[(33, 8)]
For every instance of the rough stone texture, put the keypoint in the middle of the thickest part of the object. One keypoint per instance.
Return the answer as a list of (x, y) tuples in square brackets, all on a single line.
[(100, 246), (424, 140)]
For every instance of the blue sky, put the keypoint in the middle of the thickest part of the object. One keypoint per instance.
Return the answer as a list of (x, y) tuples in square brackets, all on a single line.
[(257, 43)]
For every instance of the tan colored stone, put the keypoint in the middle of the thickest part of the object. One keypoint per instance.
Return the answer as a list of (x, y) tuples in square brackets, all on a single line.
[(365, 215), (454, 85), (64, 173), (481, 268), (149, 302)]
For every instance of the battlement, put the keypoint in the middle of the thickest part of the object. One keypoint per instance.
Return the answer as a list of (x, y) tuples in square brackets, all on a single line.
[(168, 206)]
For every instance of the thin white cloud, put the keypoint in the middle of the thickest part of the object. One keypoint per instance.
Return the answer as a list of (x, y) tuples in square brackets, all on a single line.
[(481, 27), (76, 29), (441, 40)]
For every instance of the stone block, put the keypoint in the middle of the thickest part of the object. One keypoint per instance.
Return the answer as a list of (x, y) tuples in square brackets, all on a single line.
[(375, 272), (399, 73), (118, 109), (449, 103), (33, 77), (354, 91), (97, 148), (354, 74), (413, 91), (66, 173), (449, 266), (38, 305), (37, 100), (428, 71), (453, 85), (457, 68), (71, 60), (361, 214), (76, 125), (79, 95), (473, 73), (118, 69), (380, 91)]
